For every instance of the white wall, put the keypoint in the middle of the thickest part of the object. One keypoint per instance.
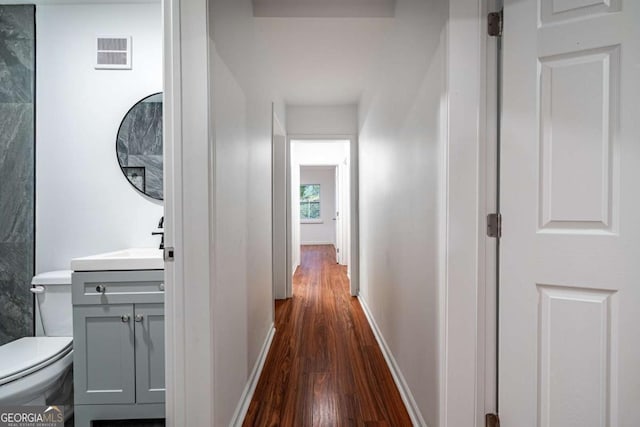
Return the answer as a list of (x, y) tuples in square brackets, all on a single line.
[(405, 106), (242, 117), (230, 237), (401, 157), (322, 120), (84, 204), (408, 105), (322, 232)]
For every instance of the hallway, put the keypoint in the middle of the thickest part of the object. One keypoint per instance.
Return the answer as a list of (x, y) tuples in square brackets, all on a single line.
[(325, 366)]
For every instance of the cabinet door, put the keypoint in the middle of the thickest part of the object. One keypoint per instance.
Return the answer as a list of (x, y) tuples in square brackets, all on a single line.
[(103, 361), (149, 321)]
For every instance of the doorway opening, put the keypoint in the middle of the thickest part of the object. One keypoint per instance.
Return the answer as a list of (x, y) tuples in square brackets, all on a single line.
[(320, 205), (321, 202)]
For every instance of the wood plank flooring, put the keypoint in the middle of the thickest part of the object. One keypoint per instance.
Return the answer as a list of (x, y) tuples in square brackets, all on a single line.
[(324, 367)]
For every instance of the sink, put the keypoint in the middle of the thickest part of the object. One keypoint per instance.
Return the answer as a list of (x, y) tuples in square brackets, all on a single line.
[(126, 259)]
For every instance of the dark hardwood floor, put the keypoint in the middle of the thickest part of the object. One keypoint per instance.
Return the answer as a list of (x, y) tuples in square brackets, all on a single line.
[(324, 367)]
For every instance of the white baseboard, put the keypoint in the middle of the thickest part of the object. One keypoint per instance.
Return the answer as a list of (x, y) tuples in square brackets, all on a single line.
[(316, 243), (398, 378), (245, 400)]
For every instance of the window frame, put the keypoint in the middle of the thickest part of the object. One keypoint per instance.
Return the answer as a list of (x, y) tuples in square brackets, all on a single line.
[(318, 220)]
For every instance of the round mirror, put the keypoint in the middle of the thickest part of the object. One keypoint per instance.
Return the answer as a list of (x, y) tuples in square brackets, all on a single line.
[(139, 146)]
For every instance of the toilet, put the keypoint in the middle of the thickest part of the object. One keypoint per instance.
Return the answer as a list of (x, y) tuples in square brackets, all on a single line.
[(37, 370)]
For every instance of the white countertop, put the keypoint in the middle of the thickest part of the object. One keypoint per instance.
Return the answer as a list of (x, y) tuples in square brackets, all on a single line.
[(126, 259)]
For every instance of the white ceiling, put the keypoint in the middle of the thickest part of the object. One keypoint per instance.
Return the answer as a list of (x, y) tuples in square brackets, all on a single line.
[(322, 61), (324, 58), (324, 8)]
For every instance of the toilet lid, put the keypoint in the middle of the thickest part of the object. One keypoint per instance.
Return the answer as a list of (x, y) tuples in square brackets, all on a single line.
[(25, 355)]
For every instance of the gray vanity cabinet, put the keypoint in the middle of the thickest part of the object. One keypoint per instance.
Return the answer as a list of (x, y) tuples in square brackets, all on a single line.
[(104, 370), (149, 348), (118, 329)]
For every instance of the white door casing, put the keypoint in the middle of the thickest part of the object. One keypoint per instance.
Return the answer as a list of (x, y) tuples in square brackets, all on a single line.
[(279, 208), (188, 209), (336, 215), (349, 212), (342, 213), (570, 252), (295, 218), (345, 212)]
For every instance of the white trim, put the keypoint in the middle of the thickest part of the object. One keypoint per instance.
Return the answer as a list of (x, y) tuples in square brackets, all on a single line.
[(190, 290), (245, 400), (175, 321), (463, 289), (443, 226), (396, 373), (318, 137), (487, 274), (279, 216), (354, 183), (316, 243)]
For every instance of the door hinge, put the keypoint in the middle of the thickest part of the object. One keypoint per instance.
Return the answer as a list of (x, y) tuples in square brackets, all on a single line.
[(494, 24), (492, 420), (494, 225), (169, 254)]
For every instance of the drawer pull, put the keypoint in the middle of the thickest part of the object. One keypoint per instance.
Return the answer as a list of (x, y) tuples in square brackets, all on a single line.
[(124, 318), (101, 289), (139, 318)]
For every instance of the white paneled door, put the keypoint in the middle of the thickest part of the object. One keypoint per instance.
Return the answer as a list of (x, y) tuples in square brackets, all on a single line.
[(569, 352)]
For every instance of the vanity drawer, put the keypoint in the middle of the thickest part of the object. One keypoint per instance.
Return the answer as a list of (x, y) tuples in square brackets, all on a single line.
[(118, 287)]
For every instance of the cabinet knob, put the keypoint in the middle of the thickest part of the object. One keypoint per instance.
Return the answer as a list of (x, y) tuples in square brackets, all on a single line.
[(124, 318), (162, 286), (139, 318), (101, 289)]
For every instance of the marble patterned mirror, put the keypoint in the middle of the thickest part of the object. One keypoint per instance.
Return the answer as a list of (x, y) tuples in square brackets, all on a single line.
[(139, 146)]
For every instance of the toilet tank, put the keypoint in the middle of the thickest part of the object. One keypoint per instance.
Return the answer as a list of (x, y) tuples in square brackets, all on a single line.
[(53, 301)]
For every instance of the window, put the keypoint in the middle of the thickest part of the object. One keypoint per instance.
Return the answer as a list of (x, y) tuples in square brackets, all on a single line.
[(310, 202)]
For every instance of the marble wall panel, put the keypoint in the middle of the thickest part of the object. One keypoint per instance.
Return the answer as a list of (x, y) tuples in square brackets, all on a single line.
[(17, 161), (17, 54)]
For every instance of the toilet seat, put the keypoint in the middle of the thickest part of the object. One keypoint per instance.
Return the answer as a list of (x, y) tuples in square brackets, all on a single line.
[(27, 355)]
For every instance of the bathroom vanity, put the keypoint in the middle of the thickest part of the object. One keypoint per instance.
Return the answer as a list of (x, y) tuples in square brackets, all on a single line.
[(118, 332)]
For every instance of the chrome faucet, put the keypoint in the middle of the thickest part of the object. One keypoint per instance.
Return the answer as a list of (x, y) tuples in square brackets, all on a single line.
[(160, 233)]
